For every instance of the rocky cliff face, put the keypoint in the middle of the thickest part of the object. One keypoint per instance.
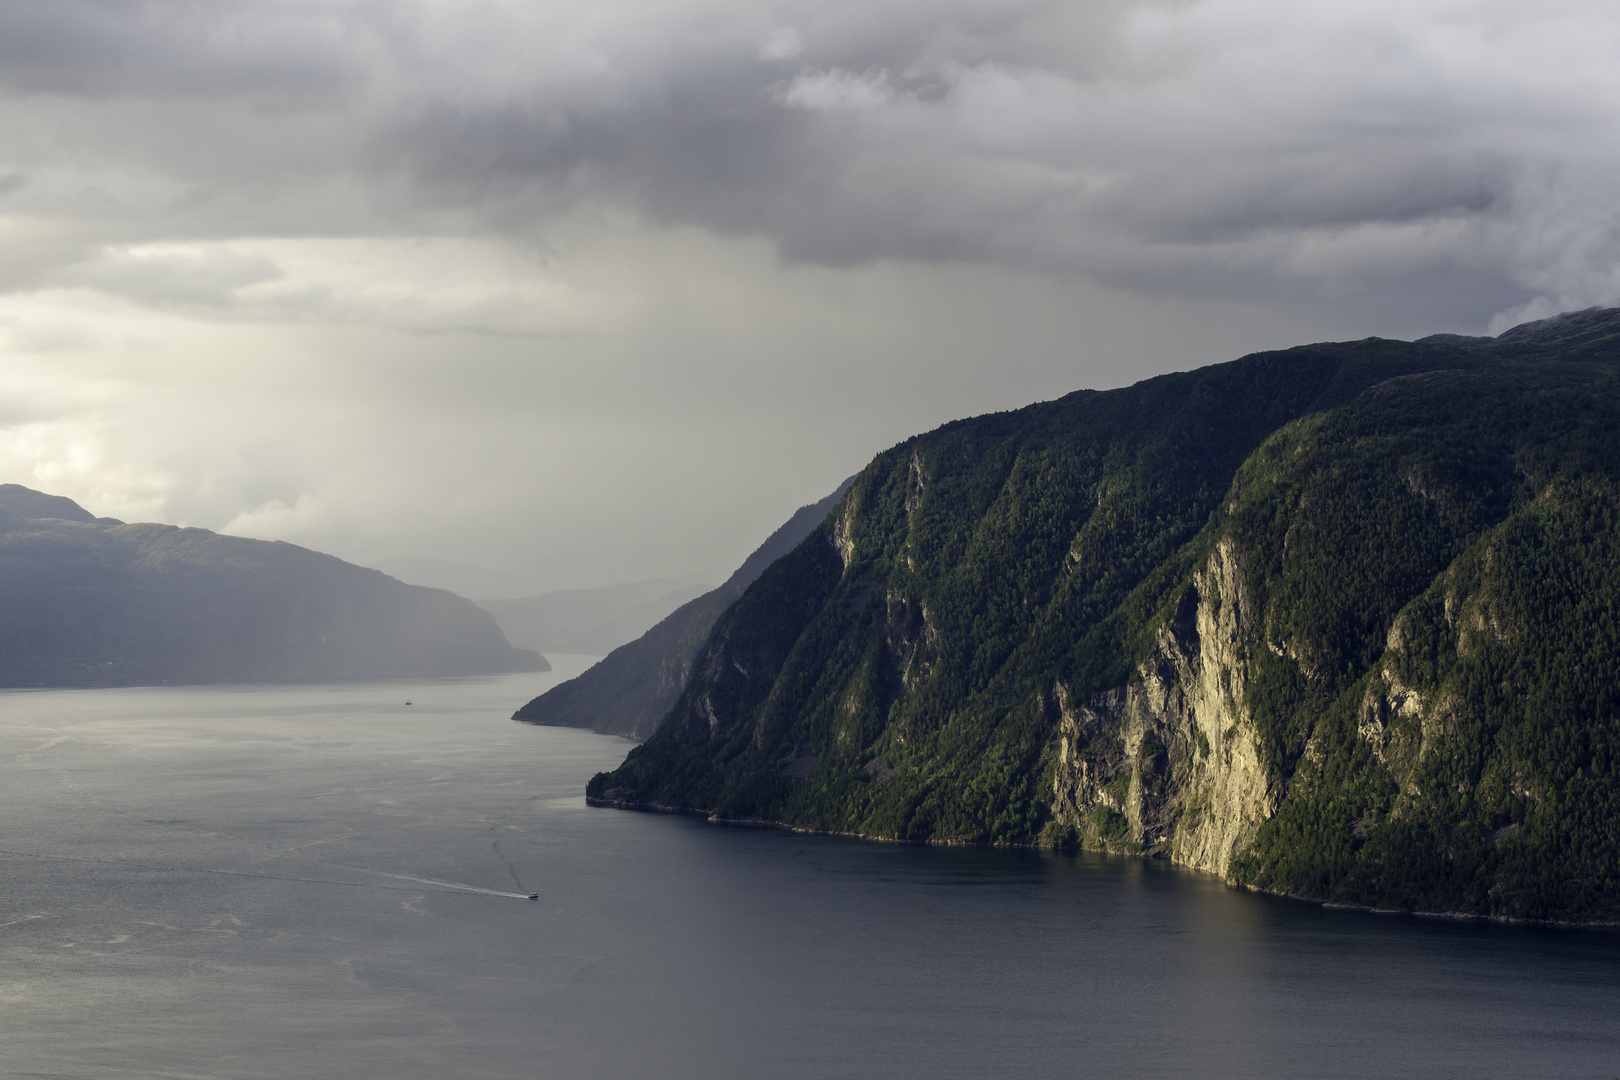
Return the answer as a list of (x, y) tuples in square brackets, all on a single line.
[(1167, 764), (1342, 622)]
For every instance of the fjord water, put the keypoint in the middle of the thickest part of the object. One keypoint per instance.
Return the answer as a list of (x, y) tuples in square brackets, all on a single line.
[(315, 880)]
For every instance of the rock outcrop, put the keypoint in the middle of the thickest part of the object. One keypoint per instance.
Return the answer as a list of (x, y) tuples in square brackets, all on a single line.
[(1167, 763), (1341, 622)]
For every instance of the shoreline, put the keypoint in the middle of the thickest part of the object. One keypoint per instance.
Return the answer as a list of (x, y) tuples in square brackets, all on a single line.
[(1330, 905)]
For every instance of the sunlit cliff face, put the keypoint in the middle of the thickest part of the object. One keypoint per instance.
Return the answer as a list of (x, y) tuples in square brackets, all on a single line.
[(613, 288)]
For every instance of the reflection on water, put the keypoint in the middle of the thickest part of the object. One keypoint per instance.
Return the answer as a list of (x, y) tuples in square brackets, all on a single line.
[(322, 880)]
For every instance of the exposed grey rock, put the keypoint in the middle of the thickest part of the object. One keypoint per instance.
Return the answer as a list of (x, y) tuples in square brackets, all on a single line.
[(1168, 762)]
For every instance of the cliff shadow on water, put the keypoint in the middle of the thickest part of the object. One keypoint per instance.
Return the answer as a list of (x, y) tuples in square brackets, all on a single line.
[(1337, 622)]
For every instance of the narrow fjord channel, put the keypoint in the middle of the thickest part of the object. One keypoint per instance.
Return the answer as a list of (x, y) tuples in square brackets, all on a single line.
[(324, 881)]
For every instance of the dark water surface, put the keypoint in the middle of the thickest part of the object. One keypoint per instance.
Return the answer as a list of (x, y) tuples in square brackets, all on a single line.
[(275, 882)]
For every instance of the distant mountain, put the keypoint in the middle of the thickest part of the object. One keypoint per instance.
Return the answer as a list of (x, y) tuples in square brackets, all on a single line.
[(94, 602), (591, 620), (464, 579), (1338, 622), (631, 689), (18, 503)]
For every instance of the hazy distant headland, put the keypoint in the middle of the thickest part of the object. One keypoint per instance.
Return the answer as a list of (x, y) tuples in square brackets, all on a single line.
[(630, 691), (593, 621), (88, 601), (1339, 622)]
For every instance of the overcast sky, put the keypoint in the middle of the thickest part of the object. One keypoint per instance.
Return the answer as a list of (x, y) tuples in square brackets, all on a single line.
[(610, 288)]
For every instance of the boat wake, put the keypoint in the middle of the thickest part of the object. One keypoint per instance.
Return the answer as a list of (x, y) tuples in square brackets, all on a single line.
[(434, 883), (456, 885)]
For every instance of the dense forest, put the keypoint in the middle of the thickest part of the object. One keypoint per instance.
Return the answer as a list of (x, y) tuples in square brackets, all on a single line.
[(1338, 622)]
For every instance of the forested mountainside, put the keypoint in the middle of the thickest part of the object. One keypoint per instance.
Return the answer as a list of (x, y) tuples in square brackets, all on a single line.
[(630, 691), (90, 601), (1338, 622)]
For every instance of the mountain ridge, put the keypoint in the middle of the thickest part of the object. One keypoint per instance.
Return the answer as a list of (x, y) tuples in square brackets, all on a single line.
[(96, 602), (1182, 618)]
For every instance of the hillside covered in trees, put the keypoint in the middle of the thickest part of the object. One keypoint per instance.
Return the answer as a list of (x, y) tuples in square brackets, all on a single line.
[(1339, 622)]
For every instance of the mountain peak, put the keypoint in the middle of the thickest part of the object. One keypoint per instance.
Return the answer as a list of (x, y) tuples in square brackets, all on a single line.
[(30, 505)]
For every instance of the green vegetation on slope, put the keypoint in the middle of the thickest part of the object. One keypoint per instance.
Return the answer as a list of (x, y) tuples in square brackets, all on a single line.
[(1492, 790), (1425, 523)]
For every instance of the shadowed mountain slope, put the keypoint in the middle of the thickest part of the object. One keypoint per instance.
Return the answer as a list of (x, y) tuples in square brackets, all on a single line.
[(631, 689), (18, 503), (87, 602), (1341, 622)]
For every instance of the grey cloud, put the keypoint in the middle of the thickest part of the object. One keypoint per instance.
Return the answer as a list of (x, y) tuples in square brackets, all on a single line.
[(895, 145), (179, 48), (172, 276), (1154, 147), (357, 272)]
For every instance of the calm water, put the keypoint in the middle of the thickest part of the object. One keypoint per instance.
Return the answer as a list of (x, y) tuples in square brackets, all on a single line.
[(275, 882)]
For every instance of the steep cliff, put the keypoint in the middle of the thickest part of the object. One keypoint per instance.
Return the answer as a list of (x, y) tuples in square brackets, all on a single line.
[(1393, 679), (1167, 763), (1336, 622)]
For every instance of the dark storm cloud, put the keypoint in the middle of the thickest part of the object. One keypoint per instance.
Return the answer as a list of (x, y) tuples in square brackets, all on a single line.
[(1223, 148), (356, 273), (178, 48)]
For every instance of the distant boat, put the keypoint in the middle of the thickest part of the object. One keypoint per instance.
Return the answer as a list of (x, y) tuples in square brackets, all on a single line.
[(407, 703), (534, 896)]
